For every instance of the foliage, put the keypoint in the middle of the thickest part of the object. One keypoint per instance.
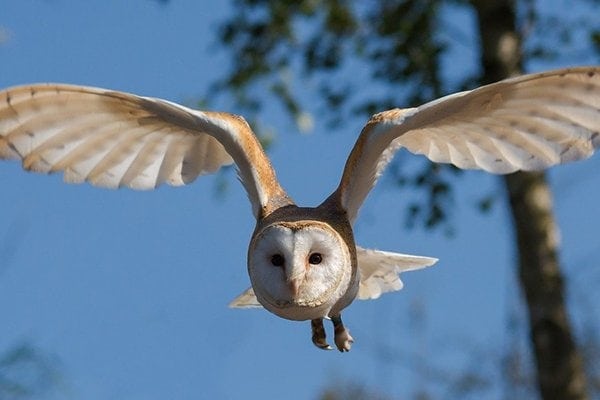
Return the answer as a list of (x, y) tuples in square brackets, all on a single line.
[(4, 35), (25, 373), (365, 57), (350, 391), (391, 45)]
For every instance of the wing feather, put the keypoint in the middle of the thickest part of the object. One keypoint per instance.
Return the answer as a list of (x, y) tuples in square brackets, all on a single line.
[(114, 139), (246, 300), (380, 271), (525, 123)]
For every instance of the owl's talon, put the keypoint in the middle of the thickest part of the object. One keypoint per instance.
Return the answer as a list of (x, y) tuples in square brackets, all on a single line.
[(343, 340), (318, 334), (324, 346)]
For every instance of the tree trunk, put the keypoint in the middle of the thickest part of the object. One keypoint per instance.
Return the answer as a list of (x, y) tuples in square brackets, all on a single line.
[(560, 373)]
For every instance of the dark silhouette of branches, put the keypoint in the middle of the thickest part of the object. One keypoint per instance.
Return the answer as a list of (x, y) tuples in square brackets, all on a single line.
[(26, 372)]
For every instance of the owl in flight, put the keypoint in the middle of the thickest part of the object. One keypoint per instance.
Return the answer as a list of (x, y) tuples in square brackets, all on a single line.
[(303, 263)]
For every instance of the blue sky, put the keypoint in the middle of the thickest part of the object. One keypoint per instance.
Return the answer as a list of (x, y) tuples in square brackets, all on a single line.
[(129, 290)]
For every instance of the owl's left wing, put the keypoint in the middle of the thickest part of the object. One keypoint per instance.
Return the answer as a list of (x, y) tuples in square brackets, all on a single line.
[(379, 273), (114, 139), (525, 123)]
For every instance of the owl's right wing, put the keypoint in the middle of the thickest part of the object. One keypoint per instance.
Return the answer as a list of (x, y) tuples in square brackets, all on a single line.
[(114, 139), (246, 300)]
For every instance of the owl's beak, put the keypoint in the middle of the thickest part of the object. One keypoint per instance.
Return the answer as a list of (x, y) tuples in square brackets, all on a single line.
[(294, 285), (295, 276)]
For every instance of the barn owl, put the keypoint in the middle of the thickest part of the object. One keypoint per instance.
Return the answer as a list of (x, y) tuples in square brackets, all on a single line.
[(303, 263)]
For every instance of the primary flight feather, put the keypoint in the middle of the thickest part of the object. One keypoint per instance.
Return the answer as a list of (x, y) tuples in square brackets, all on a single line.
[(303, 263)]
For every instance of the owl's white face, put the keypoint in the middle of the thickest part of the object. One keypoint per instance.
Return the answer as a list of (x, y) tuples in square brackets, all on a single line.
[(299, 270)]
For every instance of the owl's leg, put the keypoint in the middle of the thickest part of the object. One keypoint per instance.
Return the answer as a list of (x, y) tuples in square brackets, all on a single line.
[(318, 334), (343, 340)]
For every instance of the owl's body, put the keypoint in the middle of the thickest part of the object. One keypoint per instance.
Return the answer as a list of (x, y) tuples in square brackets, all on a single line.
[(303, 263)]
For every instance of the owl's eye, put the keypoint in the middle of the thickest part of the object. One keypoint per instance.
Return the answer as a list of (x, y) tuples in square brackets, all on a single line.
[(315, 258), (277, 260)]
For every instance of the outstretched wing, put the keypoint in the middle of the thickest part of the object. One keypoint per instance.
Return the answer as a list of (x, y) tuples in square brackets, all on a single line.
[(379, 273), (246, 300), (114, 139), (526, 123)]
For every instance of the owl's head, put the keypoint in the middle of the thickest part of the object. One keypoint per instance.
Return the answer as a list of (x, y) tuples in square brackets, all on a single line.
[(299, 269)]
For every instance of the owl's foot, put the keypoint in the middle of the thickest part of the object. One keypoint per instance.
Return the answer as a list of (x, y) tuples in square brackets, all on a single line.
[(318, 334), (343, 340)]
